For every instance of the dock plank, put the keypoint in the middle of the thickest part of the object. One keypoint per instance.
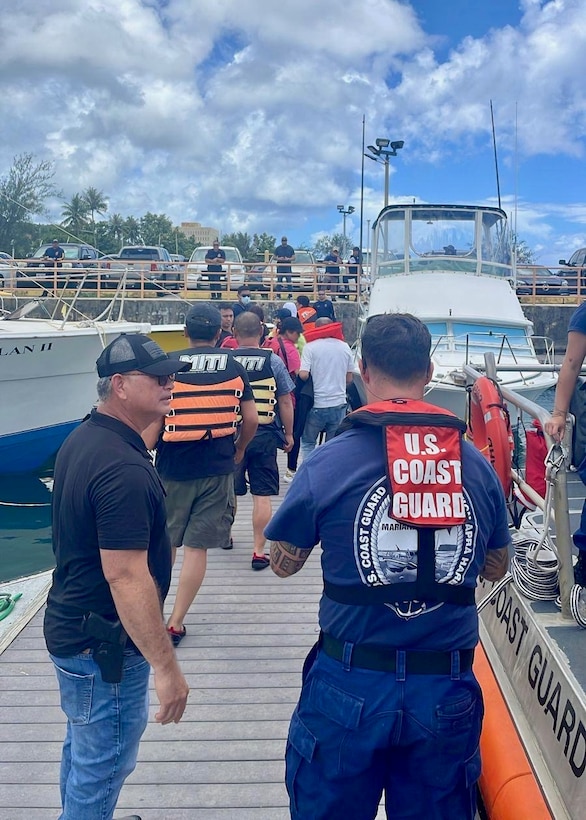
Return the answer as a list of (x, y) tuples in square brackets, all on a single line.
[(244, 684)]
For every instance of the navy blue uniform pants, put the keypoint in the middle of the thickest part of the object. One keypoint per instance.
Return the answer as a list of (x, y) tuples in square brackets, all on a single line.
[(356, 733)]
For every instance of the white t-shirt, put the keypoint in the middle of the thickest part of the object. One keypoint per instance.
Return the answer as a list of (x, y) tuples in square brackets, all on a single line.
[(328, 361)]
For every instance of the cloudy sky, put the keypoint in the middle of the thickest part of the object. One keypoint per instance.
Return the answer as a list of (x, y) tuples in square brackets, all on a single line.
[(247, 114)]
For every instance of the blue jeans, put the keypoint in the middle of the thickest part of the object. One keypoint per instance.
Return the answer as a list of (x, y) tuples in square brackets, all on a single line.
[(105, 722), (318, 419), (356, 732)]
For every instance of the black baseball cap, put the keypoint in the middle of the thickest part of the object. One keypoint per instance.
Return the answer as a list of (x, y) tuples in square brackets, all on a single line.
[(202, 316), (291, 323), (146, 356)]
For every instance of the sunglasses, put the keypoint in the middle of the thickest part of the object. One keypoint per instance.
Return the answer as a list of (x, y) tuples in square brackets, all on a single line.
[(161, 380)]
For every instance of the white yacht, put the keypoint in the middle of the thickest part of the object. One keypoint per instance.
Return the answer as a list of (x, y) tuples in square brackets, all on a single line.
[(452, 266), (47, 381)]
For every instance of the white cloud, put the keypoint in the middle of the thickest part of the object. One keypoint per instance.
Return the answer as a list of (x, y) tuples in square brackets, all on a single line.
[(248, 114)]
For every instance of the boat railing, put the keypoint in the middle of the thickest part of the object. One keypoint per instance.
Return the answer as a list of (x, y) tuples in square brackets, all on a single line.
[(509, 348), (439, 263), (558, 477)]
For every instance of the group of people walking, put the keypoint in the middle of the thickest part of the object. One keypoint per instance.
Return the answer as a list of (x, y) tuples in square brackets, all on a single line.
[(407, 514)]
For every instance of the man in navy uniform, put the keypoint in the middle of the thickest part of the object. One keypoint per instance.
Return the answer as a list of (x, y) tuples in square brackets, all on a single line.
[(389, 701)]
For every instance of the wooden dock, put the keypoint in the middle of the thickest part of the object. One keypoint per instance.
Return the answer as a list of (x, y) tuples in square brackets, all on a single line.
[(248, 634)]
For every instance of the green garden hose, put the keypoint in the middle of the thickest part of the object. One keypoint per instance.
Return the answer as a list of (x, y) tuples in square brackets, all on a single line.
[(7, 603)]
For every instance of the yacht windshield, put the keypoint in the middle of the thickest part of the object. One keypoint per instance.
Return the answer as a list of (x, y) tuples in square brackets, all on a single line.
[(461, 238)]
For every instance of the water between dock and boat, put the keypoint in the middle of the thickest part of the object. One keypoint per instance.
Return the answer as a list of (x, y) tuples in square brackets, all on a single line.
[(25, 521)]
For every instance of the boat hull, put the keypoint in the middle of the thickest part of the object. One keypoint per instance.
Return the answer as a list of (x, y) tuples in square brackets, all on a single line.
[(169, 337), (48, 384), (545, 699)]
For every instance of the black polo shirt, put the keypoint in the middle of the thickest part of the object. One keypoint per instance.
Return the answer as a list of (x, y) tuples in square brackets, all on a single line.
[(106, 495)]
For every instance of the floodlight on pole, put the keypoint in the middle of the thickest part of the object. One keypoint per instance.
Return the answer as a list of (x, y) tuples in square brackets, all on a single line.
[(345, 211), (381, 152)]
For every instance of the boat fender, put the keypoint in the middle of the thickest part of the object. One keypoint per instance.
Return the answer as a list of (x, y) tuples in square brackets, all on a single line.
[(507, 783), (490, 429)]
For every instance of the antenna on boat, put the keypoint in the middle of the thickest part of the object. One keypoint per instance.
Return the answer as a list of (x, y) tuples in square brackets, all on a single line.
[(496, 164), (362, 183), (516, 170)]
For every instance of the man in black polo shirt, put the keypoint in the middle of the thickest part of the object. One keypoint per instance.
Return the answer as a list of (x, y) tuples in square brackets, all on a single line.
[(284, 254), (104, 622), (198, 452), (54, 254)]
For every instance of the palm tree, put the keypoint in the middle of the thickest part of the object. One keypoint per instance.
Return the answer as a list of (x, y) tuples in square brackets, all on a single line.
[(96, 203), (132, 230), (116, 228), (75, 214)]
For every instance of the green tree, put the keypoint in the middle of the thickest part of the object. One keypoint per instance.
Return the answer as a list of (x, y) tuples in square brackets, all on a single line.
[(75, 216), (262, 243), (525, 255), (116, 229), (325, 244), (97, 204), (132, 232), (157, 229), (23, 192), (239, 240)]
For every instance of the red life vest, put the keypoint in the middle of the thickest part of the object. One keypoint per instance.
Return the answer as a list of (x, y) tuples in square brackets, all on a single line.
[(332, 331), (424, 472)]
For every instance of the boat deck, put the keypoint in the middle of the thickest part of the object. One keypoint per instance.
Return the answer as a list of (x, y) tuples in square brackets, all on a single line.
[(248, 634)]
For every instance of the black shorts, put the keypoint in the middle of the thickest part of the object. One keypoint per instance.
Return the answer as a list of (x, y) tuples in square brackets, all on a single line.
[(260, 466)]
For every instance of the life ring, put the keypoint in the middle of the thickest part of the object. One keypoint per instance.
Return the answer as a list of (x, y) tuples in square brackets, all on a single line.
[(490, 429)]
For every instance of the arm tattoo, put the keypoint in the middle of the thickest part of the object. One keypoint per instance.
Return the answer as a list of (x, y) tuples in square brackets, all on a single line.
[(287, 559), (496, 564)]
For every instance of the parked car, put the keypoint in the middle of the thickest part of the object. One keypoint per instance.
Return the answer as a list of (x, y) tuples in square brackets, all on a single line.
[(304, 274), (197, 269), (8, 270), (150, 266), (576, 275), (77, 257), (533, 279)]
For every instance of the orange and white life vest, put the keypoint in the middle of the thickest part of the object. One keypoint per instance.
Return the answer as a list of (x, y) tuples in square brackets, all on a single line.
[(206, 399)]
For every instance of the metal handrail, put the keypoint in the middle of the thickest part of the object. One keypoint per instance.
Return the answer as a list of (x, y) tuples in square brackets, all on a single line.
[(560, 501)]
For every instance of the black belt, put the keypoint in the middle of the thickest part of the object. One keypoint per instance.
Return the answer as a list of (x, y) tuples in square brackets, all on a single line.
[(381, 659)]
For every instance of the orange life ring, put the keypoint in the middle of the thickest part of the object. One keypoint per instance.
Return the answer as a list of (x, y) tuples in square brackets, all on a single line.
[(490, 429)]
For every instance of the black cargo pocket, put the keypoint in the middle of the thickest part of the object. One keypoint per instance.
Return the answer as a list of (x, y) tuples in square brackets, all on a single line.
[(301, 745)]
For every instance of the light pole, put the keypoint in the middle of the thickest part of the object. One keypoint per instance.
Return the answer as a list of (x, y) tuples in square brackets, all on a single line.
[(381, 153), (345, 211)]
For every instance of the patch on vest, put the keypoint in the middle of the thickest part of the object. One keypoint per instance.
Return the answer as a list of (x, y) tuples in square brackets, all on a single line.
[(386, 550), (425, 472)]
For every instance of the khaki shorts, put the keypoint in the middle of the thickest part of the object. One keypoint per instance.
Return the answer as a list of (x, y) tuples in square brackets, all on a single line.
[(200, 512)]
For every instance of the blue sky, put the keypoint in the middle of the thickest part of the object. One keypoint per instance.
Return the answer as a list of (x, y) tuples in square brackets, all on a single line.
[(247, 114)]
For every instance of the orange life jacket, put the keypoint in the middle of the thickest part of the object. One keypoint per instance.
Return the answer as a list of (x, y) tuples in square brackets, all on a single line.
[(307, 316), (206, 399)]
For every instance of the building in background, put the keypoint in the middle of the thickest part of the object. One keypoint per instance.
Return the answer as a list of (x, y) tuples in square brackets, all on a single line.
[(199, 233)]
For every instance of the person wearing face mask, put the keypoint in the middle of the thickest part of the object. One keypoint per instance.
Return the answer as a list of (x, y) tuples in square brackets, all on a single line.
[(243, 301)]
